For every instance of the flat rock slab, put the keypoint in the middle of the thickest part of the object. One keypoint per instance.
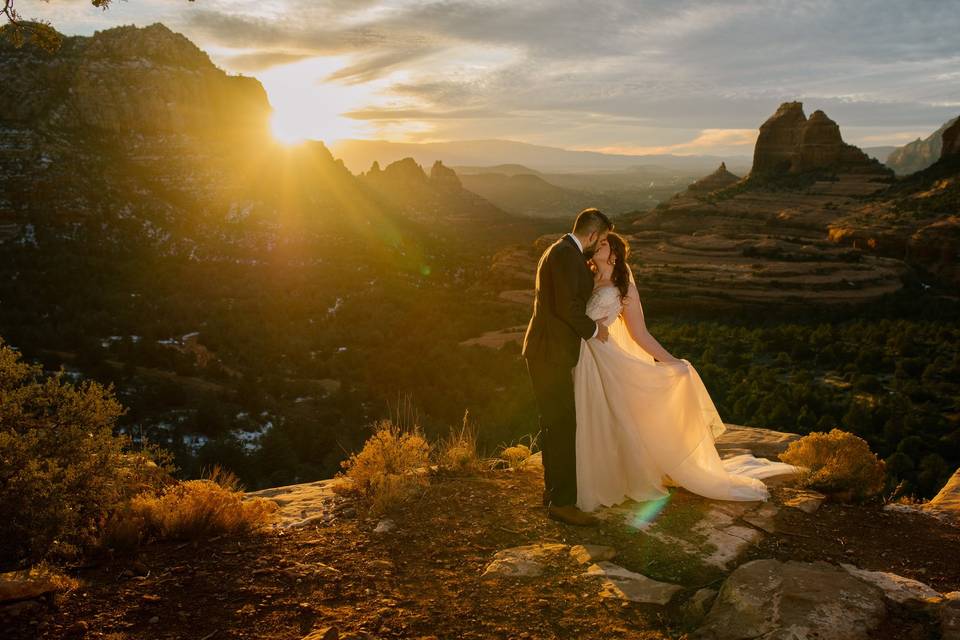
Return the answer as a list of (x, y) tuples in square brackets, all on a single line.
[(803, 499), (24, 585), (896, 588), (300, 505), (763, 443), (716, 533), (777, 600), (624, 584), (527, 561)]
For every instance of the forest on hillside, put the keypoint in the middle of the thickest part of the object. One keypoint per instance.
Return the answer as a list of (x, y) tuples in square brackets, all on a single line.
[(277, 372)]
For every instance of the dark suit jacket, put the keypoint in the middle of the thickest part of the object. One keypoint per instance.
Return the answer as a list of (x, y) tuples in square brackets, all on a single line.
[(559, 321)]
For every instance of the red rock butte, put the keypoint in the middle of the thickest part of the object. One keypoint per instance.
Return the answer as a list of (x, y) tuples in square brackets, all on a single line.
[(789, 142)]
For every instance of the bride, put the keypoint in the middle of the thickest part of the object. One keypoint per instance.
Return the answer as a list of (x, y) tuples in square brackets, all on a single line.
[(644, 417)]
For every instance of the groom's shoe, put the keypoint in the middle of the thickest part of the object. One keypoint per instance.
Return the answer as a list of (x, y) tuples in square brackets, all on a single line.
[(571, 515)]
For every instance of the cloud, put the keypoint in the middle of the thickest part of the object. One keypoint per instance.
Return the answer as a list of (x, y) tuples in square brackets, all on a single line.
[(617, 74), (708, 141), (260, 60)]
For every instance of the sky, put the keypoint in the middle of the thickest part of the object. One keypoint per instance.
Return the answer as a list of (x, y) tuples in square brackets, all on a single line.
[(626, 76)]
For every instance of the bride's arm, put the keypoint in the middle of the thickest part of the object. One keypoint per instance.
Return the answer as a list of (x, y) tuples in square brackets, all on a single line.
[(633, 318)]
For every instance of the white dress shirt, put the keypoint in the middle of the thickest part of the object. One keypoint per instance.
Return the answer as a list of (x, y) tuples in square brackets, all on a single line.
[(576, 241)]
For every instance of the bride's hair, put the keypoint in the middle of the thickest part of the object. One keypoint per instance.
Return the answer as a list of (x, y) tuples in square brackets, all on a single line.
[(620, 250)]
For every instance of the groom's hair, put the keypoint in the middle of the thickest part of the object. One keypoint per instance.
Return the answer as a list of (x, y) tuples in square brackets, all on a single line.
[(592, 221)]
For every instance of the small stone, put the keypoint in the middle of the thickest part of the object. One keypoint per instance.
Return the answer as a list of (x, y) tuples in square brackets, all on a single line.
[(590, 553), (77, 630), (324, 633), (139, 568), (381, 565), (154, 619), (385, 526), (803, 499)]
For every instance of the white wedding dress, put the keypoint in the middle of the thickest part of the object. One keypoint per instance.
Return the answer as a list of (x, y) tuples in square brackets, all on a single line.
[(643, 425)]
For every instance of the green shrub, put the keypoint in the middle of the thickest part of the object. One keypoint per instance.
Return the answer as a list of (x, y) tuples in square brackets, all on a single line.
[(62, 469), (837, 463)]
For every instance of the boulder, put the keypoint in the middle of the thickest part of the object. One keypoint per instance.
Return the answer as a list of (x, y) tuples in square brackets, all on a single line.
[(950, 617), (896, 588), (777, 600)]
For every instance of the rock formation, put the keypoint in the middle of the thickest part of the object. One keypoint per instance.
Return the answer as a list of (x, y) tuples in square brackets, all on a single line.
[(437, 197), (444, 177), (950, 145), (717, 180), (789, 142), (778, 139), (127, 79), (919, 154)]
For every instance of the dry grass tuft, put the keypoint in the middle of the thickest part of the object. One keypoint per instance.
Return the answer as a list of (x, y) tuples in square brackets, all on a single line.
[(515, 456), (837, 463), (188, 510), (390, 467), (457, 453)]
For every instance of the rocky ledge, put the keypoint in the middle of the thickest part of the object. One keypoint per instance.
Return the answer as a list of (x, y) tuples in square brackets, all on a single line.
[(475, 556)]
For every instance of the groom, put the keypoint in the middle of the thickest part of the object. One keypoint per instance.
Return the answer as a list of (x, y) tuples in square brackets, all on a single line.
[(552, 348)]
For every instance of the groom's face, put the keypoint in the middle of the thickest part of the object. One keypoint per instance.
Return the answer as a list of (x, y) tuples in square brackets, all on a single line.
[(593, 241)]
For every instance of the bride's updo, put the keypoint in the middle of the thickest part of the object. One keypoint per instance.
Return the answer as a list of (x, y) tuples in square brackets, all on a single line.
[(620, 251)]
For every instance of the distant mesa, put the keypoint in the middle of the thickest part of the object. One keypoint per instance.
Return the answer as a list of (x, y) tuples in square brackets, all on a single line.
[(919, 154), (791, 143), (719, 179), (951, 140), (407, 172)]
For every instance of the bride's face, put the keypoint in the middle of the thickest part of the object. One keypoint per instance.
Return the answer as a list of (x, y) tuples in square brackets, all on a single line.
[(602, 254)]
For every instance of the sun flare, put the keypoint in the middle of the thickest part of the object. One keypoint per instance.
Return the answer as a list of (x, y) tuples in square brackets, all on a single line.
[(306, 107)]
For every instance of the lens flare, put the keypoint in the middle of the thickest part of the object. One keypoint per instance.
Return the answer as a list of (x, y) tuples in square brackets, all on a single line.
[(645, 512)]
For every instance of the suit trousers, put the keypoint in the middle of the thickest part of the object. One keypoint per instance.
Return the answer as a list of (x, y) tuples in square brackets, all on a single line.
[(553, 389)]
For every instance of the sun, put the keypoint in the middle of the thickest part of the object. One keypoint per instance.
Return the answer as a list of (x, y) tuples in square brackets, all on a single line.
[(286, 131), (306, 107)]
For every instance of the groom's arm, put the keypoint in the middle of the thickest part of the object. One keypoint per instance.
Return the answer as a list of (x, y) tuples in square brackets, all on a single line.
[(571, 307)]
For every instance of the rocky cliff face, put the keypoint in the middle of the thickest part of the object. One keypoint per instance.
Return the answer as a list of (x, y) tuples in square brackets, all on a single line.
[(789, 142), (919, 154), (126, 79), (951, 140)]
